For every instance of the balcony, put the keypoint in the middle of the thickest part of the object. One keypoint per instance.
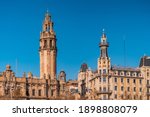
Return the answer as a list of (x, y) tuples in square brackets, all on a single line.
[(148, 93), (104, 44), (105, 74), (148, 85)]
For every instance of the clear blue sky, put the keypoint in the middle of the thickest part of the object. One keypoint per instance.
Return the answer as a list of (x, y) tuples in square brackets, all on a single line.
[(78, 25)]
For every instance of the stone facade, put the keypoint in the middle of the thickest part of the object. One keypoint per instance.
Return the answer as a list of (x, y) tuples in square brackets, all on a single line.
[(47, 86), (48, 49), (114, 83), (107, 82)]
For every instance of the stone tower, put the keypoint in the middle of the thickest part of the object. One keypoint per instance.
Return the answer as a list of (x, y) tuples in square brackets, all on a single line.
[(103, 60), (104, 68), (48, 49)]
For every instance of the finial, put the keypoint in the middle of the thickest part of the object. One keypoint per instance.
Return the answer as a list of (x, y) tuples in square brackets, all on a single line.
[(8, 67), (103, 30), (103, 35), (47, 13)]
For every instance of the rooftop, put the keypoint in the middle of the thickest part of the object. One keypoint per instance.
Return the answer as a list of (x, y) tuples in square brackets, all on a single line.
[(145, 61)]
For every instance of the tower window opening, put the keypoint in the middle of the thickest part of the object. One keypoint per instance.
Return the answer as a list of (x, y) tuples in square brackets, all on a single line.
[(104, 79), (50, 44), (48, 29), (45, 43), (104, 71)]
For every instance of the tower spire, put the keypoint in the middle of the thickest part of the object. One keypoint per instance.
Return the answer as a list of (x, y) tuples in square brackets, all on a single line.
[(103, 33), (103, 45)]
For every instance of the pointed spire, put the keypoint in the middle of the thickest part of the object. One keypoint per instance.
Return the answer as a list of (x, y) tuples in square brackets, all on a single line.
[(47, 16)]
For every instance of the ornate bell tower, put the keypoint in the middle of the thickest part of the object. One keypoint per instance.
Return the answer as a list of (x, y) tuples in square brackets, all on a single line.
[(48, 49)]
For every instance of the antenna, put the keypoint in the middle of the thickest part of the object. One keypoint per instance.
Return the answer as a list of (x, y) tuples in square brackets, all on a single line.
[(16, 67), (124, 49)]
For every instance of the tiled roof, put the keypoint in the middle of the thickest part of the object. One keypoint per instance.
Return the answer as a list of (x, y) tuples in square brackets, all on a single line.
[(125, 68)]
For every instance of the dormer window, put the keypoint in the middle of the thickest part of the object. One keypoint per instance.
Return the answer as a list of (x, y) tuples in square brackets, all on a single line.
[(128, 74), (116, 73), (122, 73)]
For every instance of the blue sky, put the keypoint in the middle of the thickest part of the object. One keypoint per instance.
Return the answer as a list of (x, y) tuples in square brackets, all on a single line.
[(78, 25)]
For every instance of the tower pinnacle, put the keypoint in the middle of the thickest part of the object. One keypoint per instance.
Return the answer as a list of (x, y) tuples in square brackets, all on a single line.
[(48, 24), (103, 45), (103, 34)]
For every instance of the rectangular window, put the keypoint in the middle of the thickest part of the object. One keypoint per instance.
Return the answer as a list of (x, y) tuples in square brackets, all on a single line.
[(104, 71), (99, 79), (100, 71), (104, 79), (104, 89), (33, 92), (115, 79), (115, 88), (128, 88), (52, 93), (45, 43), (122, 80), (50, 44), (128, 81), (140, 81), (134, 89), (140, 89), (122, 88), (148, 82), (147, 74), (39, 92), (134, 81)]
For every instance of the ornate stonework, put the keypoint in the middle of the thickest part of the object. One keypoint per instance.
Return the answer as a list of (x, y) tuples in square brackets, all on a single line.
[(47, 86), (114, 83), (48, 49)]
